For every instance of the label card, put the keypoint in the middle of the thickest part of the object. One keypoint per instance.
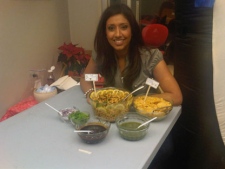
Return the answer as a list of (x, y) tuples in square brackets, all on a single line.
[(91, 77), (152, 83)]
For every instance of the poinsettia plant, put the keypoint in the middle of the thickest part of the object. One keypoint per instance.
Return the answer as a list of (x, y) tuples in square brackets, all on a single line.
[(73, 58)]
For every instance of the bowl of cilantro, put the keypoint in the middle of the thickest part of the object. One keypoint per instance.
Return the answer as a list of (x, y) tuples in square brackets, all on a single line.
[(79, 117)]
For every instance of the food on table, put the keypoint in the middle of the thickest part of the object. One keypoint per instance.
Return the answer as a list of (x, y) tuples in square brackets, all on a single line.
[(79, 117), (108, 103), (131, 125), (94, 128), (99, 129), (152, 106), (109, 96), (127, 126), (64, 113)]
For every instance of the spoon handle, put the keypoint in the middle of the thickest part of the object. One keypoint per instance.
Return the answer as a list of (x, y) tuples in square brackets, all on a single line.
[(83, 131), (146, 122), (133, 92), (53, 108)]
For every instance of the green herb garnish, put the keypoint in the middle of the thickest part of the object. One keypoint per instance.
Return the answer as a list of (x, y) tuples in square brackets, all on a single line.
[(79, 117)]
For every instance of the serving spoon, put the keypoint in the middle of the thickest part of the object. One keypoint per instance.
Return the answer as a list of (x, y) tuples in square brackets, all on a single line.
[(54, 108), (146, 122), (83, 131), (133, 92)]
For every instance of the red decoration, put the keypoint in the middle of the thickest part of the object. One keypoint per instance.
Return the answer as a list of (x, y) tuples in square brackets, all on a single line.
[(19, 107)]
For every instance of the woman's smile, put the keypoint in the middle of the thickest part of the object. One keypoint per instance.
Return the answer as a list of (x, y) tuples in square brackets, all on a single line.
[(119, 42)]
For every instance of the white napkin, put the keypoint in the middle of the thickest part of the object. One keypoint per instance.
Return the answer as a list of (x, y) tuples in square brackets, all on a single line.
[(65, 83)]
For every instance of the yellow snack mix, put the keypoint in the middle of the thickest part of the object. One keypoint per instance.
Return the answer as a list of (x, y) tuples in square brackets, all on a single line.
[(152, 106)]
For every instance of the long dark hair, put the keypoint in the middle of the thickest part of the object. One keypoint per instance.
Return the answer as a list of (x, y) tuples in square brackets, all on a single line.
[(106, 60)]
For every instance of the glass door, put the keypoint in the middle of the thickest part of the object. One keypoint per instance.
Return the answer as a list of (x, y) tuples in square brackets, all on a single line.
[(147, 11)]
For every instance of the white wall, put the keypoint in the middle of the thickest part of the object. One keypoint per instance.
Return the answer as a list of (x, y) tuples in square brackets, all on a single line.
[(83, 17), (30, 33)]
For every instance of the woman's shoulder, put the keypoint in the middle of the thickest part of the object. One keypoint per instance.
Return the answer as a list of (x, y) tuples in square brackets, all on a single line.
[(148, 54)]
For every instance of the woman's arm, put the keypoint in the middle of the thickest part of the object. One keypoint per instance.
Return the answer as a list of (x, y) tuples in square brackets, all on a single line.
[(168, 83), (90, 69)]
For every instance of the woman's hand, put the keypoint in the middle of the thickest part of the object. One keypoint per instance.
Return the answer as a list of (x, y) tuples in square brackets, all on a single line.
[(168, 83)]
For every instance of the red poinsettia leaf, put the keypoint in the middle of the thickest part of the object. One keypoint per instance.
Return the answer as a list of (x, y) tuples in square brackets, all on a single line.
[(87, 56), (68, 54), (62, 47), (74, 57), (77, 50), (70, 47)]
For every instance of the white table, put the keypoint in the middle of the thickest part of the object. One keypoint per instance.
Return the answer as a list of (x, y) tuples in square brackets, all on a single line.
[(38, 139)]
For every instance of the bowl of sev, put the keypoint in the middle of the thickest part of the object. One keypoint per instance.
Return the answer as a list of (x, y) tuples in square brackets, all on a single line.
[(107, 103), (152, 106)]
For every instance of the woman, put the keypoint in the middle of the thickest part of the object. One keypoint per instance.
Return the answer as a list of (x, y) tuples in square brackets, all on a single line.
[(123, 60)]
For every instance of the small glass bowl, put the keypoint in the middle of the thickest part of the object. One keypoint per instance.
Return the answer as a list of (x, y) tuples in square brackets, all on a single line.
[(79, 117), (127, 126), (64, 113), (99, 129)]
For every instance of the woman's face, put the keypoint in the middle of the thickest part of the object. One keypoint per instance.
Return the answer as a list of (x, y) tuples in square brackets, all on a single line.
[(118, 33)]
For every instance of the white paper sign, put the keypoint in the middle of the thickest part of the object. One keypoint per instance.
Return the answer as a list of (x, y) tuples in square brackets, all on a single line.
[(91, 77), (152, 83)]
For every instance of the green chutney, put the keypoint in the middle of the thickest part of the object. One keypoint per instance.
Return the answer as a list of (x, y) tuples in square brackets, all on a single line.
[(131, 126)]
